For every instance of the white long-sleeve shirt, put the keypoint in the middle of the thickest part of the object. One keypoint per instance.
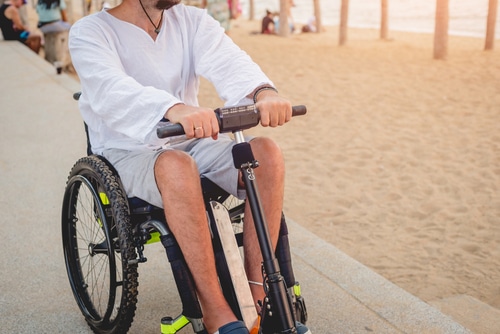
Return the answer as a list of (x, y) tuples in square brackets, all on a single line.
[(129, 80)]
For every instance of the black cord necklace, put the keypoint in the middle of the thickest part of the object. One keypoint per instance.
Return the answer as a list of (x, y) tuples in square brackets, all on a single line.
[(157, 27)]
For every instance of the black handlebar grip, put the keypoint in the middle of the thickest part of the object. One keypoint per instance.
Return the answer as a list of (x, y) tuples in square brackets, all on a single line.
[(170, 130), (299, 110)]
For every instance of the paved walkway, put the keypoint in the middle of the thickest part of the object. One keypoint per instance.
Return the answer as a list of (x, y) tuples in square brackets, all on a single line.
[(41, 136)]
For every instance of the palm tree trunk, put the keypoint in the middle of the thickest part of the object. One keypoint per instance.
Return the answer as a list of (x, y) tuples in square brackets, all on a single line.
[(317, 16), (441, 29), (490, 25), (384, 24), (284, 30), (251, 10), (344, 13)]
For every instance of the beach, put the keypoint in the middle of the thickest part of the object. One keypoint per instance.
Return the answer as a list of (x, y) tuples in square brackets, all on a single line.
[(467, 17), (397, 161)]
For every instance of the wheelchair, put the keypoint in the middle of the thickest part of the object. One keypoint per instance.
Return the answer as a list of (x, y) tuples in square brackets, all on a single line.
[(104, 234)]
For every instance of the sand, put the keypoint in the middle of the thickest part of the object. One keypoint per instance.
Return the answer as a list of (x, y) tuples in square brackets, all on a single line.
[(397, 162)]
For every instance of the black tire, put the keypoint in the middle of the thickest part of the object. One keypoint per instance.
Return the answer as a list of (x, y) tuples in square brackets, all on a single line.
[(97, 243)]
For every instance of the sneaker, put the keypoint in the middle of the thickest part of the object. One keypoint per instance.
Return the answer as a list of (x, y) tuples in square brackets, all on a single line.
[(301, 328), (235, 327)]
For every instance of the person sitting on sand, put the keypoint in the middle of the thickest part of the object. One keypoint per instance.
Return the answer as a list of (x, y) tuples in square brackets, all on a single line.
[(310, 26), (13, 28), (268, 23)]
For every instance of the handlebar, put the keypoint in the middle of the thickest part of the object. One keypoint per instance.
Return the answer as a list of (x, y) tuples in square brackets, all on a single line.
[(230, 119)]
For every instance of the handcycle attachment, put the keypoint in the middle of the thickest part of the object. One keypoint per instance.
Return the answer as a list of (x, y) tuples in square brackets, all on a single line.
[(277, 313)]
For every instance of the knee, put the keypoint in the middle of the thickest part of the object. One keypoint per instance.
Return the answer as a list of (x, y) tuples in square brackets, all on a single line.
[(175, 164), (267, 151)]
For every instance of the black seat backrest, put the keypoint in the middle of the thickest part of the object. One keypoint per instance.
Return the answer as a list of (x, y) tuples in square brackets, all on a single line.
[(89, 148), (76, 97)]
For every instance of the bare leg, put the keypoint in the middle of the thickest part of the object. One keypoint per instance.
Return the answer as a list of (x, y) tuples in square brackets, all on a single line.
[(34, 42), (270, 177), (179, 183)]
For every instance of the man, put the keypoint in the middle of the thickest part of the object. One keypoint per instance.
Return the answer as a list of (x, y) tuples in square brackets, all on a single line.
[(140, 63), (13, 28)]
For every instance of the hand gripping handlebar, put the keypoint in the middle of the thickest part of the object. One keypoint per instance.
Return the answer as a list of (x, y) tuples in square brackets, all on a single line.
[(230, 119)]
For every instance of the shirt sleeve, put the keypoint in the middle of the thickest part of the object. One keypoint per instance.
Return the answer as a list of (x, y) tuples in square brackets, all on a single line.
[(230, 69)]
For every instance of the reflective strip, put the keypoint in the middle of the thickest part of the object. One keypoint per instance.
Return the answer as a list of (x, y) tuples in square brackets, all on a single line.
[(172, 326), (155, 237), (104, 198), (296, 290)]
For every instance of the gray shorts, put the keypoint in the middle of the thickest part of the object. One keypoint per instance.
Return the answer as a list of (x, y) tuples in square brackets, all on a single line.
[(213, 158)]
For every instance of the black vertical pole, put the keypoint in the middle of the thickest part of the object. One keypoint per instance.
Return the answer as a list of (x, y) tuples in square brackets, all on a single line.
[(244, 160)]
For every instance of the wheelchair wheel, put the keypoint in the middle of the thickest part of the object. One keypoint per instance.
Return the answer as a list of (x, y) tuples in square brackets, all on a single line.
[(98, 247)]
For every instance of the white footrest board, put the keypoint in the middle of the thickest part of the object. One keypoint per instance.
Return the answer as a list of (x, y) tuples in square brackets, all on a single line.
[(235, 264)]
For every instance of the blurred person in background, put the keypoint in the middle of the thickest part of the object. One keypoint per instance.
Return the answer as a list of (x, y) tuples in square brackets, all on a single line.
[(219, 10), (52, 16), (13, 28)]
